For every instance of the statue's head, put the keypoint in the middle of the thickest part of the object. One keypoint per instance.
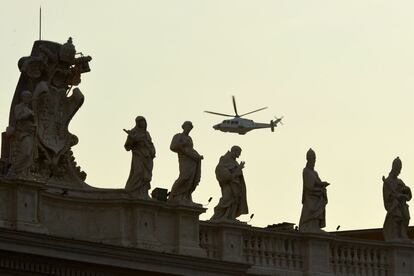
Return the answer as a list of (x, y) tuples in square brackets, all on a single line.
[(141, 122), (187, 126), (396, 166), (311, 157), (236, 151), (26, 96)]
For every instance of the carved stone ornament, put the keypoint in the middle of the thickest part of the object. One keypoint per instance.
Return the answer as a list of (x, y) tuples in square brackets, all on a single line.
[(38, 127)]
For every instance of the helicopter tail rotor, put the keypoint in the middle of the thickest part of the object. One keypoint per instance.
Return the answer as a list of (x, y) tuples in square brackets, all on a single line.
[(278, 120)]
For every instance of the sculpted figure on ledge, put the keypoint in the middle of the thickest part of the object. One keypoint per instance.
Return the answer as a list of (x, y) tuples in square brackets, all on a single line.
[(143, 152), (229, 174), (396, 194), (189, 165), (22, 142), (314, 198)]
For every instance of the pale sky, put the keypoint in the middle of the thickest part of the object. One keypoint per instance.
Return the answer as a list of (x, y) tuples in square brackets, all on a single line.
[(341, 72)]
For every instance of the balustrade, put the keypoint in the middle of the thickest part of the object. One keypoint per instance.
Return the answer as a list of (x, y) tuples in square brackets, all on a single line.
[(359, 258), (296, 253)]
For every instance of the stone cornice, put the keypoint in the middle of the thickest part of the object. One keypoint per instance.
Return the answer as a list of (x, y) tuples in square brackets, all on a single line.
[(113, 256)]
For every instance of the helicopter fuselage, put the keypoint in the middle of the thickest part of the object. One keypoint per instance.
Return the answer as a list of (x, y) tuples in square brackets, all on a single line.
[(240, 125)]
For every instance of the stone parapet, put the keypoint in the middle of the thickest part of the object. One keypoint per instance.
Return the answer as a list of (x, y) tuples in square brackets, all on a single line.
[(112, 217), (267, 252), (293, 253), (109, 216)]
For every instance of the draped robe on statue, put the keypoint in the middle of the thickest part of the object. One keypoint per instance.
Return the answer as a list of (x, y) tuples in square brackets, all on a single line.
[(314, 200), (23, 144), (143, 152), (233, 201), (189, 168), (396, 194)]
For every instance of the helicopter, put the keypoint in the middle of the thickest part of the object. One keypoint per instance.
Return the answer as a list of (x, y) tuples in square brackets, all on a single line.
[(241, 125)]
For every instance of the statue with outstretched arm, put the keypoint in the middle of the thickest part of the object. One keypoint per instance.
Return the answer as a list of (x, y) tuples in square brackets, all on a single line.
[(143, 152)]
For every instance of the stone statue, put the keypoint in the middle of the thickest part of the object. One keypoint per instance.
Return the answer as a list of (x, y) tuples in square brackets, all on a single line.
[(396, 194), (314, 197), (51, 73), (143, 152), (189, 165), (233, 201), (22, 143)]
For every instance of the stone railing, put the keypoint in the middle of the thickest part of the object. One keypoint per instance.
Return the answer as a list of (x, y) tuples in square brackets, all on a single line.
[(265, 250), (283, 251), (275, 252), (359, 258)]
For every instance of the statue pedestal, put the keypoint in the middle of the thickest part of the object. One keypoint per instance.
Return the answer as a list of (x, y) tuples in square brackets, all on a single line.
[(187, 228), (20, 205), (317, 255), (402, 258), (227, 236)]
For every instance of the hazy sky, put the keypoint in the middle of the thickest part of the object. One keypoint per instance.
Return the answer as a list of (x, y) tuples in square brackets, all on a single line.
[(341, 72)]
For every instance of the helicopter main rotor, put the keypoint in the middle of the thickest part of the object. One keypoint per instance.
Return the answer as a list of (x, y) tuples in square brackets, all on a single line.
[(235, 111), (221, 114), (260, 109), (235, 107)]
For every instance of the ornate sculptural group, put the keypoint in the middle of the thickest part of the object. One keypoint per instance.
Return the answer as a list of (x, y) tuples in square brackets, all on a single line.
[(37, 142), (37, 145)]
